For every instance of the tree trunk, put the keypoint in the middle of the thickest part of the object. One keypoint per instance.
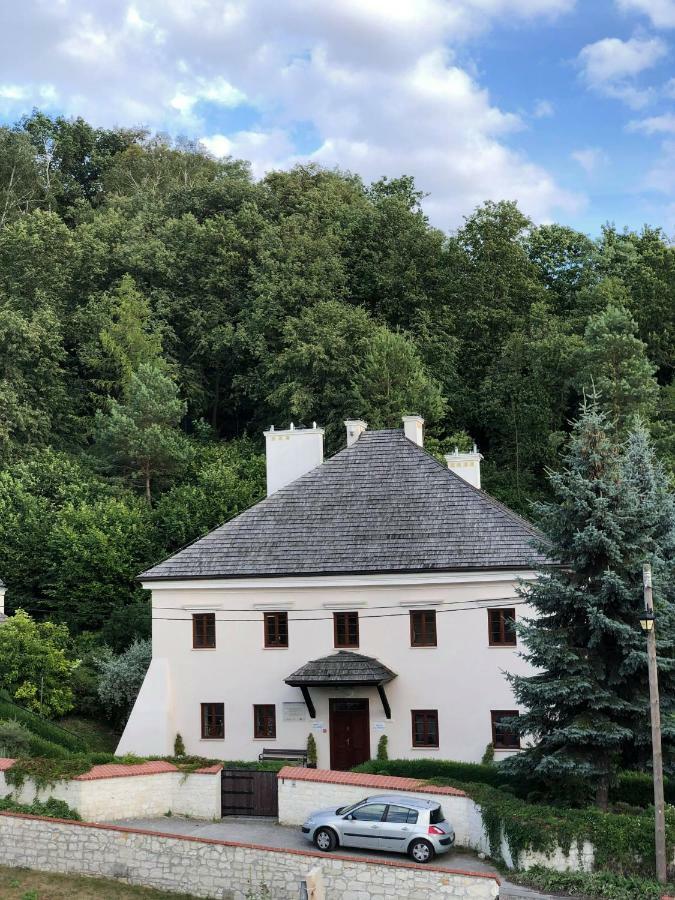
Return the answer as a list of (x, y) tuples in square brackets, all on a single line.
[(602, 793), (148, 492)]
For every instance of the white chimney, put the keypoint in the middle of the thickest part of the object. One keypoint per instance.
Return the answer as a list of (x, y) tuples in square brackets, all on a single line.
[(291, 453), (466, 465), (355, 428), (413, 426)]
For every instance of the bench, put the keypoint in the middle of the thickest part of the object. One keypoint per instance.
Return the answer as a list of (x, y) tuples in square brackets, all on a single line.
[(270, 753)]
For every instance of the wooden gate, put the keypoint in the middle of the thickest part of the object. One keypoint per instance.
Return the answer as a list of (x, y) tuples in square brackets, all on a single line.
[(246, 792)]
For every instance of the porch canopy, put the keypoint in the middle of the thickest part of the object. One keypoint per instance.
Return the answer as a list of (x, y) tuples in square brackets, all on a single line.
[(343, 669)]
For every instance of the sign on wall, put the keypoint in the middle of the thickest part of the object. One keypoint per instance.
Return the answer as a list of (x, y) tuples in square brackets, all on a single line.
[(294, 712)]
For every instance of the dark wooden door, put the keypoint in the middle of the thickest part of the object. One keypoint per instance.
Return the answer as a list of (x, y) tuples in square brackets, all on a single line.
[(246, 792), (349, 733)]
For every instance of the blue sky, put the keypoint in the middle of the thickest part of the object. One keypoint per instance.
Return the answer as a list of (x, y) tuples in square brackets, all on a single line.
[(567, 106)]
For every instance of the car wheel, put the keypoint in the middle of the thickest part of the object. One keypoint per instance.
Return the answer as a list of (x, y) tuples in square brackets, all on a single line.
[(421, 851), (325, 840)]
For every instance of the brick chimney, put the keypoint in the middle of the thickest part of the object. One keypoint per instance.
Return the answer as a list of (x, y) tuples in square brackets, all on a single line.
[(291, 453), (466, 465)]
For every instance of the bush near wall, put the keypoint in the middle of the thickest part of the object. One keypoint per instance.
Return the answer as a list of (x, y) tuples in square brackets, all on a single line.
[(633, 788), (53, 809), (598, 884)]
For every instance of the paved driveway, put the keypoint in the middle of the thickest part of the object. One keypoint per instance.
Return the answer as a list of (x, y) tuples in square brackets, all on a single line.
[(268, 833)]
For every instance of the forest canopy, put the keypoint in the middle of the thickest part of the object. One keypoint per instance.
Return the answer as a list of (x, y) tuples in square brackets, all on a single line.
[(160, 307)]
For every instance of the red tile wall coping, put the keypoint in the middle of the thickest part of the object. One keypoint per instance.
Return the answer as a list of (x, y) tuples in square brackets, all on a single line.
[(361, 779), (314, 854), (120, 770)]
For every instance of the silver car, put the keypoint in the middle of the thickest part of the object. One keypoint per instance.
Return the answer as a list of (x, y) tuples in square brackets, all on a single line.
[(389, 822)]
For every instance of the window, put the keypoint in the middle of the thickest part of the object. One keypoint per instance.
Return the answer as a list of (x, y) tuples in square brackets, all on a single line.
[(402, 815), (204, 631), (264, 720), (213, 721), (346, 629), (504, 737), (425, 727), (423, 628), (501, 627), (276, 629), (371, 812)]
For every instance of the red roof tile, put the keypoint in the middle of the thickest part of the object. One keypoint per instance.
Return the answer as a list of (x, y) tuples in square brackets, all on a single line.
[(117, 770), (209, 770), (361, 779), (6, 763)]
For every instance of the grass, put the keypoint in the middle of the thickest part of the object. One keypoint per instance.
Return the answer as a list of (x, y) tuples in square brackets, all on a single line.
[(98, 737), (25, 884)]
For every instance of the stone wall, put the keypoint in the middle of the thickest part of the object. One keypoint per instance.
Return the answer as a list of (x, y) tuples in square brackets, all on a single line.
[(125, 792), (219, 869)]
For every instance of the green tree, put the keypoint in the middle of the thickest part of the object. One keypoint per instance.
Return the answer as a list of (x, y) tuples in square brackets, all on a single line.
[(121, 679), (614, 363), (584, 704), (34, 667), (139, 436)]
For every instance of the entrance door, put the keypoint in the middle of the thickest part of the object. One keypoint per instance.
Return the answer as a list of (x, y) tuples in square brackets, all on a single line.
[(349, 733)]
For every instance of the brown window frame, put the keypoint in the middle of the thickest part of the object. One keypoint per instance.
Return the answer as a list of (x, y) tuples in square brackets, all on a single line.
[(431, 641), (277, 617), (204, 631), (428, 715), (502, 614), (495, 715), (208, 712), (260, 733), (337, 616)]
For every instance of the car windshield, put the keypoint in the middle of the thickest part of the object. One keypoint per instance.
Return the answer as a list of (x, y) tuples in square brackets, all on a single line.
[(436, 815), (345, 810)]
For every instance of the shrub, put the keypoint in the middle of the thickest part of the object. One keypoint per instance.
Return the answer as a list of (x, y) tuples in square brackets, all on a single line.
[(121, 679), (311, 750), (489, 755), (637, 788), (15, 738), (382, 752), (437, 768), (179, 746), (54, 809), (596, 885)]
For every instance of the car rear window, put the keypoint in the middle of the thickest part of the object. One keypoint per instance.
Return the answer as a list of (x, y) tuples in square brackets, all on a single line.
[(436, 816)]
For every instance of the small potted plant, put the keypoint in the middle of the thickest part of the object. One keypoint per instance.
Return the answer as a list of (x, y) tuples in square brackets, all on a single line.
[(311, 752)]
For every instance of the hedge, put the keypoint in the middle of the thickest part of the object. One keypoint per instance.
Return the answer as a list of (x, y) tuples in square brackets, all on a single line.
[(597, 885), (633, 788), (54, 809), (40, 726)]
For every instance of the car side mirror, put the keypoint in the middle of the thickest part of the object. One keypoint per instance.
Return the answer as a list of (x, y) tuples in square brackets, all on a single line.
[(350, 817)]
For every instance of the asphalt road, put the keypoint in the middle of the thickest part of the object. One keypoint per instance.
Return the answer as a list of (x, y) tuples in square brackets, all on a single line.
[(268, 833)]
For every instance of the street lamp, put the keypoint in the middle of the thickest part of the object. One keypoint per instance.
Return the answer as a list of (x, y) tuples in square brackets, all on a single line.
[(647, 621), (647, 625)]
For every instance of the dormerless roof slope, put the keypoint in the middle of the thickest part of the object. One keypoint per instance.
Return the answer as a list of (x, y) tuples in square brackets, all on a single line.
[(382, 505)]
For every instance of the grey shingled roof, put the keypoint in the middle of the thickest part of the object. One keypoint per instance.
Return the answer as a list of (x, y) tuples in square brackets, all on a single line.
[(382, 505), (341, 668)]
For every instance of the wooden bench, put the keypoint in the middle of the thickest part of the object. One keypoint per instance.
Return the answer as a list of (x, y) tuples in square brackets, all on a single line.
[(270, 753)]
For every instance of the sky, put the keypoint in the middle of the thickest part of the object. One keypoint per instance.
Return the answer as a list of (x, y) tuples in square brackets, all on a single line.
[(567, 106)]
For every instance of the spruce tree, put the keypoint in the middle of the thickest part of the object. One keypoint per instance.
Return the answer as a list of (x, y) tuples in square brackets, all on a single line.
[(587, 704)]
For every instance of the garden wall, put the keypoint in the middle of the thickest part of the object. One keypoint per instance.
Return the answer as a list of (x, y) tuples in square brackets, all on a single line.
[(220, 869), (127, 792), (301, 791)]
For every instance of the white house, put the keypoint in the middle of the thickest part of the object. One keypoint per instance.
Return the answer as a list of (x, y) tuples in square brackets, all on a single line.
[(371, 594)]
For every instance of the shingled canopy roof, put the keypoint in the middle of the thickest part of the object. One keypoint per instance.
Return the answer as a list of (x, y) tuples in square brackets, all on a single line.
[(341, 668), (382, 505)]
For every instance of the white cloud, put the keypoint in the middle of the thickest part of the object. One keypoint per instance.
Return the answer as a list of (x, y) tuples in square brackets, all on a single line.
[(543, 109), (661, 176), (661, 12), (609, 66), (373, 80), (664, 124), (590, 159)]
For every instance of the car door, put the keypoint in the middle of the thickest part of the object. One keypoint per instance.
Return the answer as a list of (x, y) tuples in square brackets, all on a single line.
[(397, 828), (361, 828)]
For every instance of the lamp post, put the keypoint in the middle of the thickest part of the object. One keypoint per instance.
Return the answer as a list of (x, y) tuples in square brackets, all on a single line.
[(647, 625)]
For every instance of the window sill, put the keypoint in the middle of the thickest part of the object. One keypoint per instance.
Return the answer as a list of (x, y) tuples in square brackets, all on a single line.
[(507, 749), (202, 649), (424, 646), (345, 647), (210, 740), (503, 646), (262, 740), (276, 648), (424, 749)]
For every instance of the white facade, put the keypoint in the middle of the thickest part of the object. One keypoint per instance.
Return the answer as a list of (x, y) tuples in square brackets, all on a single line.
[(462, 677)]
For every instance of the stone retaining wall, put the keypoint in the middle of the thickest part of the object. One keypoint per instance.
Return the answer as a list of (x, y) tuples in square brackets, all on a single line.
[(220, 869)]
